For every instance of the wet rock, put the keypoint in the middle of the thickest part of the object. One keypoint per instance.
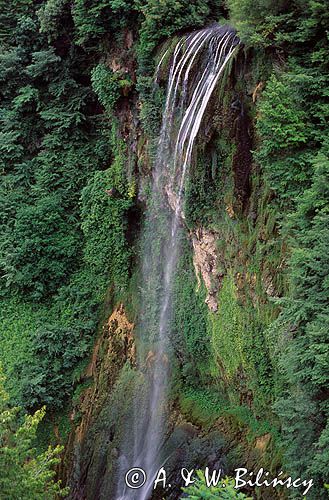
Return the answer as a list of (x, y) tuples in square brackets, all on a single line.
[(262, 442), (173, 200), (205, 260), (129, 39), (93, 447), (230, 211), (257, 91), (269, 286), (113, 348)]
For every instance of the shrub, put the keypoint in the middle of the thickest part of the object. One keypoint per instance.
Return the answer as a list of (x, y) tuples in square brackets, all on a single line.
[(224, 490), (24, 473)]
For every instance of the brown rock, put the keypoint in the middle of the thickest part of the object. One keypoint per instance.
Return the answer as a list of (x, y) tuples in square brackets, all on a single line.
[(205, 262)]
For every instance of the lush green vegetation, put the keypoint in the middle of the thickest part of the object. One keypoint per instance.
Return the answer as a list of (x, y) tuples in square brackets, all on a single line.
[(63, 237), (25, 474), (294, 154), (288, 356), (70, 170), (189, 332), (224, 490)]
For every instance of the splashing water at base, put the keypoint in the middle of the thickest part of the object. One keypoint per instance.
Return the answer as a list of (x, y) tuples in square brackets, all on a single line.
[(198, 62)]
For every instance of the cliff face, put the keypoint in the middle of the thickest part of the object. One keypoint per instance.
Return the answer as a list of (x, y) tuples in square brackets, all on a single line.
[(226, 276), (80, 111), (99, 413)]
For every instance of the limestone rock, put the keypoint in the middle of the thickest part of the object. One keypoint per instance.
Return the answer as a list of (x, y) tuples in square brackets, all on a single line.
[(173, 200), (205, 260)]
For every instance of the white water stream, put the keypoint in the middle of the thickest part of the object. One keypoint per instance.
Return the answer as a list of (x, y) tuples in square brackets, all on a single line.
[(198, 62)]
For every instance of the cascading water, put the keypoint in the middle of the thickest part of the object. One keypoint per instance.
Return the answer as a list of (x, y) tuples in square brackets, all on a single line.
[(198, 62)]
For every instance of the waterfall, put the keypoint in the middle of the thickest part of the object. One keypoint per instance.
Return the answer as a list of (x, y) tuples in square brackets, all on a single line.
[(198, 61)]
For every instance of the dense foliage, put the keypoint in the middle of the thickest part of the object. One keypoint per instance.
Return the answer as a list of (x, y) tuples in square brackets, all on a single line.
[(62, 237), (294, 130), (68, 192), (25, 474), (290, 356), (224, 490)]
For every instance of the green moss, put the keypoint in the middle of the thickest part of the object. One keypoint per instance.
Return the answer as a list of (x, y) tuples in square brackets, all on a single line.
[(244, 419), (202, 406), (54, 429), (206, 406), (228, 329), (189, 335), (108, 432)]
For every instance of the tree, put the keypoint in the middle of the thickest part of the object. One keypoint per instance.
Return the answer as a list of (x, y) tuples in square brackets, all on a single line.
[(304, 405), (25, 474)]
